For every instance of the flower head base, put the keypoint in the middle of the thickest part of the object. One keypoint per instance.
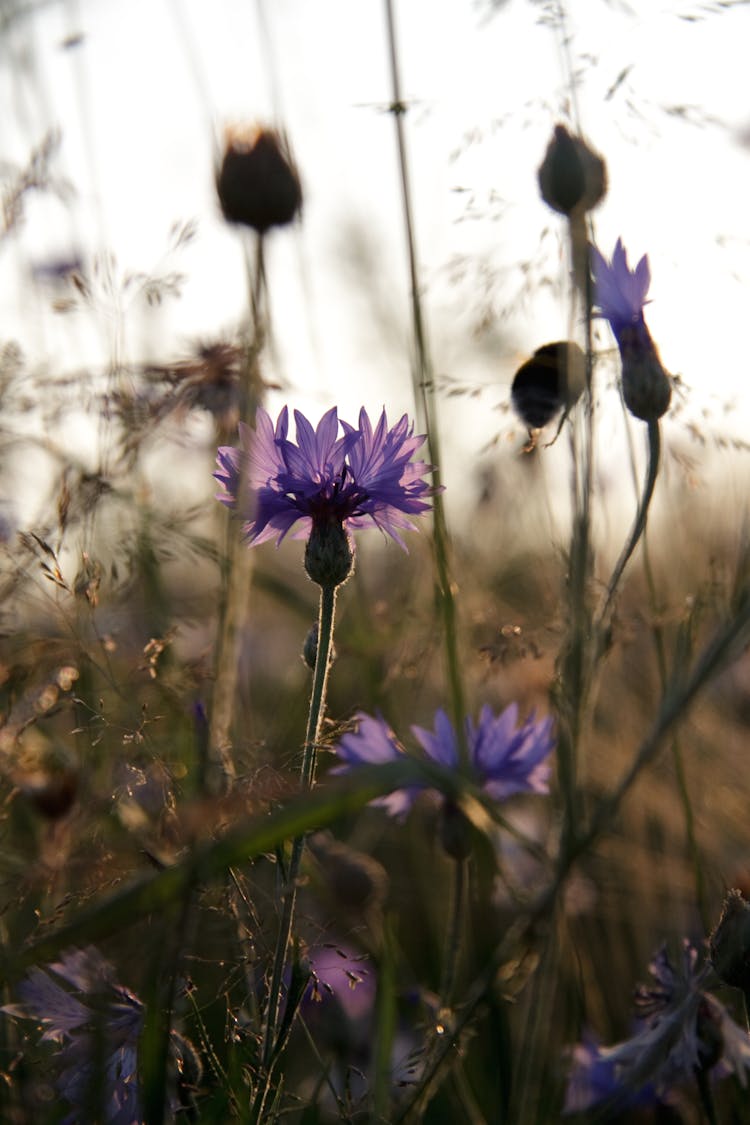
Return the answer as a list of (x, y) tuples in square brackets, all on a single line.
[(620, 299), (326, 481), (683, 1031), (504, 758)]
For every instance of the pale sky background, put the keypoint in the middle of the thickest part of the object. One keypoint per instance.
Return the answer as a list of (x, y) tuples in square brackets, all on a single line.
[(141, 89)]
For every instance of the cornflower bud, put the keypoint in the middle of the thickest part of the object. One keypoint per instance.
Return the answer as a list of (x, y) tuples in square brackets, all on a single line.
[(257, 183), (729, 944), (572, 177)]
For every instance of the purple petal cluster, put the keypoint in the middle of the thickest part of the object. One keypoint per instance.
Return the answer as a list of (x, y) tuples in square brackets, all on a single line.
[(97, 1007), (504, 757), (363, 477), (620, 293), (97, 1024), (681, 1029)]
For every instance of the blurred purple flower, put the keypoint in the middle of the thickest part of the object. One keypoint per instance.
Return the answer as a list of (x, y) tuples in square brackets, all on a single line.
[(620, 297), (98, 1007), (504, 758), (682, 1030), (593, 1080), (97, 1025), (363, 478)]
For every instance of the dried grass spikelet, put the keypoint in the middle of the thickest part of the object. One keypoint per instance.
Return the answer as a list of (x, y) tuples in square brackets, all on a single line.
[(257, 183)]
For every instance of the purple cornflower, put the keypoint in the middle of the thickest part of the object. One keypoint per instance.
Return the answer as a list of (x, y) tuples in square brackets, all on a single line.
[(683, 1031), (97, 1026), (363, 478), (620, 297), (504, 758)]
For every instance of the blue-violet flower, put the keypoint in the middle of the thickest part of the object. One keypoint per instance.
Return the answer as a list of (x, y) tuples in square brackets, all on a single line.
[(97, 1025), (620, 297), (362, 478), (682, 1031), (504, 758)]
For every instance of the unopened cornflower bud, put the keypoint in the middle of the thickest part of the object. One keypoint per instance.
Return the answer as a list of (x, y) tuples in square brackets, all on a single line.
[(310, 647), (572, 177), (257, 183), (729, 944)]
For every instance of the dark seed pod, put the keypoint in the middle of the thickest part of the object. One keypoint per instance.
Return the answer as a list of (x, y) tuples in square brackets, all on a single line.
[(572, 177), (549, 381), (257, 183)]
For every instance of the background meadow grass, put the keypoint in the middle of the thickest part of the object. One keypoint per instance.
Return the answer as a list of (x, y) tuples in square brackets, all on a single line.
[(115, 596)]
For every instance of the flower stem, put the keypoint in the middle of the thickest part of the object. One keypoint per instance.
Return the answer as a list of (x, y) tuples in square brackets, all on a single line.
[(316, 711), (453, 933), (654, 454), (424, 395)]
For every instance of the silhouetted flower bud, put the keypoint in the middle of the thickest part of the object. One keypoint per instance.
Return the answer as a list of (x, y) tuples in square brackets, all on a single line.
[(729, 944), (645, 384), (572, 177), (258, 184)]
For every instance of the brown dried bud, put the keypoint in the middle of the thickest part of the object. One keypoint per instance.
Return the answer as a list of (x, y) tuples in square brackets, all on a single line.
[(572, 177), (729, 944), (258, 184), (48, 778)]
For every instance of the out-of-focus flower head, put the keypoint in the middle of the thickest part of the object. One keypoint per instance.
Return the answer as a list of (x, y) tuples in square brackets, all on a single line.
[(682, 1030), (326, 481), (620, 297), (594, 1080), (97, 1010), (504, 757), (258, 184)]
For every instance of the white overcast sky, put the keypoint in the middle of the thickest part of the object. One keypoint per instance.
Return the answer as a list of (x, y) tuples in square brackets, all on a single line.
[(142, 94)]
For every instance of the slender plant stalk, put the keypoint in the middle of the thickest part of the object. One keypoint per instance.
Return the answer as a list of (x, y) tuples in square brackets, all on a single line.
[(316, 711), (454, 933), (639, 527), (424, 396), (239, 570), (575, 662)]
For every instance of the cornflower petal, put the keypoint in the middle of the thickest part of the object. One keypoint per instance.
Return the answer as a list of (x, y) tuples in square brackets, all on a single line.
[(503, 759), (442, 746), (365, 478), (372, 744), (620, 291)]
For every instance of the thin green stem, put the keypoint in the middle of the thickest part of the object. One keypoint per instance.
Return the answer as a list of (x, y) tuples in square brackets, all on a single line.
[(639, 527), (316, 711), (453, 933), (424, 396), (706, 1094), (575, 663)]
